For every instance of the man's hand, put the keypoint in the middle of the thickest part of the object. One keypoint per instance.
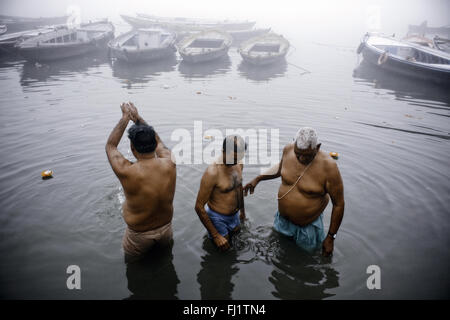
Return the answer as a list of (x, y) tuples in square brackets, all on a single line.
[(250, 186), (125, 111), (133, 112), (327, 246), (221, 242), (242, 215)]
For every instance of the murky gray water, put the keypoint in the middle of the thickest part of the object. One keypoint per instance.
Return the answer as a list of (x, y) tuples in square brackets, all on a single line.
[(392, 135)]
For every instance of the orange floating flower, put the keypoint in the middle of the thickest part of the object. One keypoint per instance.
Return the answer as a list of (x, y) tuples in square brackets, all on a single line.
[(46, 174)]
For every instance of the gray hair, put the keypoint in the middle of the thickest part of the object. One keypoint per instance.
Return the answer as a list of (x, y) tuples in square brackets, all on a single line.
[(306, 137)]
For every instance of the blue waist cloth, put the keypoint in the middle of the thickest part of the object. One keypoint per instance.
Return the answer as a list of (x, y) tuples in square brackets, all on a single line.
[(309, 237), (224, 224)]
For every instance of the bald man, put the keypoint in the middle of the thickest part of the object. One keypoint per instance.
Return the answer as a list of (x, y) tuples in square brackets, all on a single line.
[(309, 178)]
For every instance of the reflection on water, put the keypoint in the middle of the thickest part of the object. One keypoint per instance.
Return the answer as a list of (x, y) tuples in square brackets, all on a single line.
[(296, 273), (131, 73), (263, 73), (403, 88), (201, 70), (153, 277), (217, 270), (33, 73)]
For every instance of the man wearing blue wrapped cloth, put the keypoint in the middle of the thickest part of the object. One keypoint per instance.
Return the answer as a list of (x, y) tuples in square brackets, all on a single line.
[(309, 178), (220, 199)]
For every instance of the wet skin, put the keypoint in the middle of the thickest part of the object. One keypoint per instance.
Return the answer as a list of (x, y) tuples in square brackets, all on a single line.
[(148, 184), (221, 188), (309, 198)]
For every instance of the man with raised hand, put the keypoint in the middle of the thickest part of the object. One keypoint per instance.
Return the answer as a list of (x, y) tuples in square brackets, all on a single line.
[(148, 184)]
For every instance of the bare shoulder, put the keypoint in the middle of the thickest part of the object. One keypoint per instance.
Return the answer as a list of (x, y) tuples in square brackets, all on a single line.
[(329, 164), (212, 170), (167, 163), (288, 147)]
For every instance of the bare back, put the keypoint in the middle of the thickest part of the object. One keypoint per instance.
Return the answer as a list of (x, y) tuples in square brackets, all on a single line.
[(149, 188)]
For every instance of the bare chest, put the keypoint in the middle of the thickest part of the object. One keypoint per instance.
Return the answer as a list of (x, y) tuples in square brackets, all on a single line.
[(311, 183), (229, 180)]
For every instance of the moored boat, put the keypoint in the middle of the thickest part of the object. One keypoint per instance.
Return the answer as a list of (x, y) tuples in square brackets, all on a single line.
[(183, 24), (9, 40), (67, 42), (3, 29), (143, 45), (406, 58), (205, 46), (265, 49)]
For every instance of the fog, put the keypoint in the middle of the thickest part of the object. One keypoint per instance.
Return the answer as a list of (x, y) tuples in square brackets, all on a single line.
[(317, 16)]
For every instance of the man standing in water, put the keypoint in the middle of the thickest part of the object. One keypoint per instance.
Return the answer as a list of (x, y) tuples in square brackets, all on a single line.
[(221, 191), (148, 184), (309, 177)]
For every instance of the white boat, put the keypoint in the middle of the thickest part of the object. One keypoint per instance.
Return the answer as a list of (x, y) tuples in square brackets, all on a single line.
[(9, 40), (64, 42), (205, 46), (265, 49), (3, 29), (143, 45), (182, 24), (406, 58)]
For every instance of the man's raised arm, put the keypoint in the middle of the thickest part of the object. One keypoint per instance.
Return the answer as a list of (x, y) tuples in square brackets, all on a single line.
[(117, 161)]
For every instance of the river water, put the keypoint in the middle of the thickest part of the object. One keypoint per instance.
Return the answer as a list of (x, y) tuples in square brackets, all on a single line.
[(392, 135)]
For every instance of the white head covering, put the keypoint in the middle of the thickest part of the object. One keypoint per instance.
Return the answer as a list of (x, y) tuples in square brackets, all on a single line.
[(306, 137)]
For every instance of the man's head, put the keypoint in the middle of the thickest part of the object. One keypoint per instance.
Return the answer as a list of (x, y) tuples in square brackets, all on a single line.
[(233, 148), (142, 139), (306, 145)]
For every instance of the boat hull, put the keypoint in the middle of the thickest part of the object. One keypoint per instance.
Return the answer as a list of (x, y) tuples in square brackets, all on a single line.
[(262, 61), (58, 51), (204, 57), (142, 55), (406, 68)]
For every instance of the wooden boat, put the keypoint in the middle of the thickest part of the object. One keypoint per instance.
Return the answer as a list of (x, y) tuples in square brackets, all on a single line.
[(205, 46), (406, 58), (64, 42), (9, 40), (264, 50), (143, 45), (182, 24)]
